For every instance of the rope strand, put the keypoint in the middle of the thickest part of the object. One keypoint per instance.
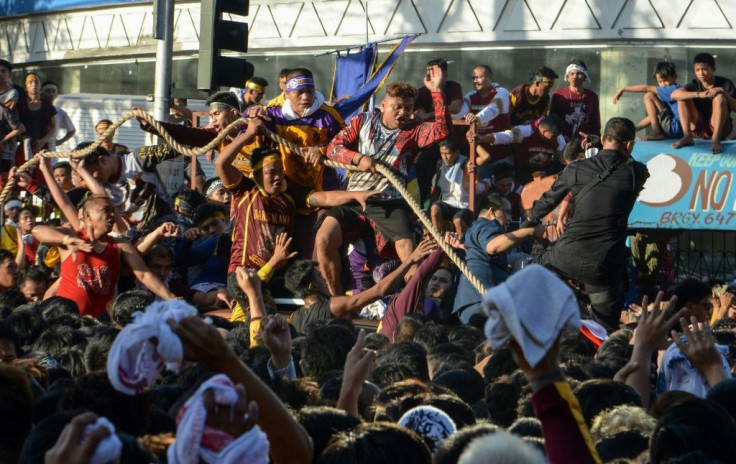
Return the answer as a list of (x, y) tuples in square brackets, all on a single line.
[(239, 123)]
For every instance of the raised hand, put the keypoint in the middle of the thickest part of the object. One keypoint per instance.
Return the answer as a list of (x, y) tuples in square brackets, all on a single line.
[(359, 364), (654, 325), (277, 338), (700, 350), (281, 250)]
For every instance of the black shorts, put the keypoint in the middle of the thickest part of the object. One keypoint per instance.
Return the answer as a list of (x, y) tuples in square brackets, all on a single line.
[(453, 212), (390, 216)]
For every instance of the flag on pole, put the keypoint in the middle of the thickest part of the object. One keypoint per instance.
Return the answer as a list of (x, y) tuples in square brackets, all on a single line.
[(351, 86)]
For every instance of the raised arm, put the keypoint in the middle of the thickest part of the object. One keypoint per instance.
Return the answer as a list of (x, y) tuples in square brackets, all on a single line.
[(60, 197), (141, 270), (343, 305), (641, 88), (290, 443), (229, 174)]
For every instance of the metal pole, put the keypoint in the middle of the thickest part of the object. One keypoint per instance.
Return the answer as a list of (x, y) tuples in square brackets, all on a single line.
[(164, 50)]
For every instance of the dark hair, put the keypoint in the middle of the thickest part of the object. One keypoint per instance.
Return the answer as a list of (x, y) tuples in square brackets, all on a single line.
[(97, 349), (501, 363), (572, 150), (577, 62), (724, 393), (325, 349), (5, 255), (63, 165), (544, 73), (188, 200), (57, 306), (597, 395), (619, 130), (441, 62), (450, 143), (6, 64), (487, 71), (128, 303), (71, 359), (500, 398), (206, 211), (502, 171), (158, 251), (284, 72), (690, 291), (259, 153), (32, 273), (15, 409), (259, 81), (225, 97), (665, 69), (7, 333), (409, 354), (322, 423), (492, 201), (401, 90), (467, 384), (624, 445), (298, 277), (56, 338), (553, 123), (430, 335), (25, 321), (694, 425), (705, 58), (458, 410), (95, 393), (527, 427), (299, 72), (450, 450), (376, 442)]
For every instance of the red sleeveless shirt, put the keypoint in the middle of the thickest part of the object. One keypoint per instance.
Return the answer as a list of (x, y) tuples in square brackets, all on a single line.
[(92, 279)]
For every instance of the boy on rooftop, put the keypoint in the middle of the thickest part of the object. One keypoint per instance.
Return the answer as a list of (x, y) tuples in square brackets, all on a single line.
[(705, 104), (662, 113)]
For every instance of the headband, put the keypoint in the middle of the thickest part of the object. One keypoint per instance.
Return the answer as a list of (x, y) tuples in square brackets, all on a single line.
[(254, 86), (213, 186), (183, 205), (299, 83), (577, 67), (268, 159), (221, 106), (216, 214), (546, 80)]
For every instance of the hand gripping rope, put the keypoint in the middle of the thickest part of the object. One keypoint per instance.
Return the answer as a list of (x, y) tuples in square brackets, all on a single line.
[(199, 151)]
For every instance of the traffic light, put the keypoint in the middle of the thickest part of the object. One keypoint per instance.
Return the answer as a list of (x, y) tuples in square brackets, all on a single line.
[(216, 35)]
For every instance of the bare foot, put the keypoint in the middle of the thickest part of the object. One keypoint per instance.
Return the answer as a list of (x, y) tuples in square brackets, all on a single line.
[(652, 136), (684, 142), (716, 147)]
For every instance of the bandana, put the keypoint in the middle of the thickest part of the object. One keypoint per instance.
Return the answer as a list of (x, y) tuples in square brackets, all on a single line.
[(540, 78), (575, 67), (254, 86), (213, 186), (220, 106), (269, 159), (430, 423), (299, 83)]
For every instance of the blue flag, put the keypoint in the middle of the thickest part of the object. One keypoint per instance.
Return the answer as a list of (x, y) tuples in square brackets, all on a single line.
[(352, 87)]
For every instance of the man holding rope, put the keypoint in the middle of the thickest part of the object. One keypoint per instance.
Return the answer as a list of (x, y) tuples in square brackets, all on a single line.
[(391, 138)]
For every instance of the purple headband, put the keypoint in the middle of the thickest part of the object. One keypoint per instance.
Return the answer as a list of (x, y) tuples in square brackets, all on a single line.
[(299, 83)]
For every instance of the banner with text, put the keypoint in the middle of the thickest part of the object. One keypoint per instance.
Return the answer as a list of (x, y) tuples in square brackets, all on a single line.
[(688, 188)]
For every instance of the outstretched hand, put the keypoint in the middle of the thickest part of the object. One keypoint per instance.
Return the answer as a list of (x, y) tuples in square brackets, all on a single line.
[(700, 349), (281, 250), (434, 79), (425, 247), (277, 338), (653, 326), (359, 364)]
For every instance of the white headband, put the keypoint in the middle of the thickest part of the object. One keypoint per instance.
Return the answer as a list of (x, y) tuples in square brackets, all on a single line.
[(577, 67)]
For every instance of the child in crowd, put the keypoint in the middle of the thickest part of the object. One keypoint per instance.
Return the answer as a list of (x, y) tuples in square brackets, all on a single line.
[(705, 105), (663, 115), (451, 188)]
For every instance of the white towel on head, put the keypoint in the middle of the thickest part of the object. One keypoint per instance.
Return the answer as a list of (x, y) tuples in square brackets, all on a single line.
[(430, 423), (532, 307), (195, 440), (109, 448), (134, 362), (577, 67)]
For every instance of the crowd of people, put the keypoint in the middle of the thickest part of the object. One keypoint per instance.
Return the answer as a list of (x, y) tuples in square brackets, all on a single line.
[(143, 325)]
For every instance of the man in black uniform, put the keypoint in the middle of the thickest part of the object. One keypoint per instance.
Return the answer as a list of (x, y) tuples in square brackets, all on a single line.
[(592, 250)]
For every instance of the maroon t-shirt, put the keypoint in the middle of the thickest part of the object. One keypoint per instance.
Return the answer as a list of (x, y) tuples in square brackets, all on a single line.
[(579, 112)]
